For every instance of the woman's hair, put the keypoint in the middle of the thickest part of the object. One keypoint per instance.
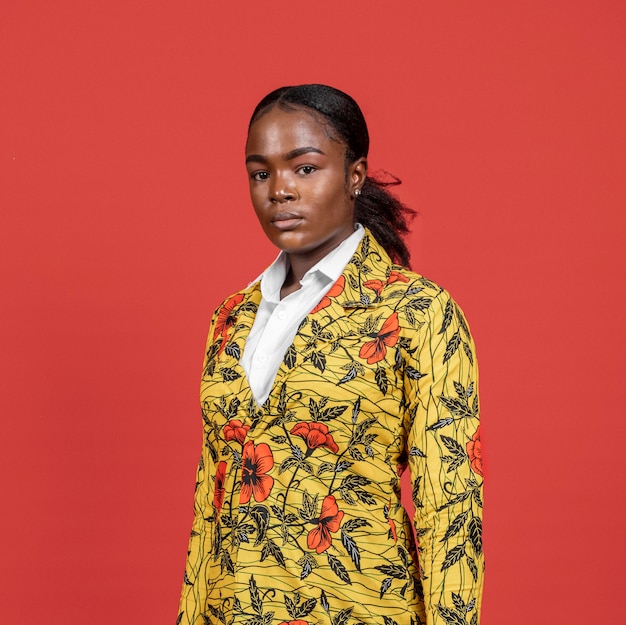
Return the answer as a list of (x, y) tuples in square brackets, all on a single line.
[(375, 207)]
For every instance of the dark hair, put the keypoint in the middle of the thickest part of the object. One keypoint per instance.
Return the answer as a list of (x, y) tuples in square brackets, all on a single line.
[(375, 207)]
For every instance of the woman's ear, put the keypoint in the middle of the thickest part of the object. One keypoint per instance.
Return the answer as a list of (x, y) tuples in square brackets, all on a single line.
[(356, 176)]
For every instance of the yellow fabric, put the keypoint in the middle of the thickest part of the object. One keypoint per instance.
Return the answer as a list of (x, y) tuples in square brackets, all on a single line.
[(298, 517)]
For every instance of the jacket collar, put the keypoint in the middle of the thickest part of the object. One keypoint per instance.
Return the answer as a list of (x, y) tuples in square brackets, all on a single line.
[(368, 268)]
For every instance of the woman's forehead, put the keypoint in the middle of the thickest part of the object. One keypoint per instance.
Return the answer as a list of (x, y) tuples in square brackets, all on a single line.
[(280, 130)]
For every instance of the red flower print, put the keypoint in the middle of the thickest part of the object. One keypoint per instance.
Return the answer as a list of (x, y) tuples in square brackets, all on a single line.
[(315, 435), (226, 319), (376, 285), (219, 492), (329, 521), (475, 453), (387, 336), (255, 463), (396, 276), (235, 430), (335, 289)]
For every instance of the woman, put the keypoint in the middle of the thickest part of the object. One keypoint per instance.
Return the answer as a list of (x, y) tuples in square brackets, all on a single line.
[(323, 380)]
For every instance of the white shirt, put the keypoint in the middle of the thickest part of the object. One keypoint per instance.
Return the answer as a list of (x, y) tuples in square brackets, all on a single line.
[(277, 321)]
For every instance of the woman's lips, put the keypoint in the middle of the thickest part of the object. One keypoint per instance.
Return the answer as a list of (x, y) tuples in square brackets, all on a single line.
[(286, 221)]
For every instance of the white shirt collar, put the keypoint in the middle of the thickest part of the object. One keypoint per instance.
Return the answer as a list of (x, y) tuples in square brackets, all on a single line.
[(328, 268)]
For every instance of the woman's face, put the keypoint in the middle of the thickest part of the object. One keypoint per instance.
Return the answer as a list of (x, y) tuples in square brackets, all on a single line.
[(298, 184)]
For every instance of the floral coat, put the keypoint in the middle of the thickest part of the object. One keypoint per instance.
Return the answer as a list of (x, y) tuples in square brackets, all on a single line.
[(298, 519)]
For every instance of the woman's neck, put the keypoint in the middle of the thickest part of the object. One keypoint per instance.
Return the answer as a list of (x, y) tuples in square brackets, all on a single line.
[(290, 284), (298, 265)]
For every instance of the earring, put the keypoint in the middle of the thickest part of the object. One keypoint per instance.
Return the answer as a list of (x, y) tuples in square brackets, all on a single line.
[(357, 192)]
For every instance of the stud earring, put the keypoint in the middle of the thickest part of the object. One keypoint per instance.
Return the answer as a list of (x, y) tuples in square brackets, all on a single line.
[(357, 192)]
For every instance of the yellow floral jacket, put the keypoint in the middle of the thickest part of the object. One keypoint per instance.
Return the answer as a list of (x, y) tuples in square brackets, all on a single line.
[(298, 519)]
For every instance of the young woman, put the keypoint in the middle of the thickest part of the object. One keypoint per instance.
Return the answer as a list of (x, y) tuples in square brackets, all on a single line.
[(323, 381)]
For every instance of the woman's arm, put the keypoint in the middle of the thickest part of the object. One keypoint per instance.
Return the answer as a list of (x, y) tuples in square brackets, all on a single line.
[(446, 465), (195, 582)]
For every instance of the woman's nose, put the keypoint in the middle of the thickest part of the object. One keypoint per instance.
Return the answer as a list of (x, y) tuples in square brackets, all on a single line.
[(283, 190)]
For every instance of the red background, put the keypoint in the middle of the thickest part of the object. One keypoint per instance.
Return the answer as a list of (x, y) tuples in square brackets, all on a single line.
[(125, 219)]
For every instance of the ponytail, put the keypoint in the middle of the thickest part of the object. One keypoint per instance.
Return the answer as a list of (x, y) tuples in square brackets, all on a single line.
[(385, 215)]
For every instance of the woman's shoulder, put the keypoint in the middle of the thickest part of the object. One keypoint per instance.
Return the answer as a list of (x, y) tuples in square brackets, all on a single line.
[(239, 300), (402, 283), (389, 281), (416, 299), (240, 296)]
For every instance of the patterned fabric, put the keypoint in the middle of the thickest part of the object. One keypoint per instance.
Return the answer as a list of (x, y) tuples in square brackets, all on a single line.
[(298, 519)]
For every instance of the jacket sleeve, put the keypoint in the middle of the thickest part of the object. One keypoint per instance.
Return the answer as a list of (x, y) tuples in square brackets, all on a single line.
[(446, 464), (195, 583)]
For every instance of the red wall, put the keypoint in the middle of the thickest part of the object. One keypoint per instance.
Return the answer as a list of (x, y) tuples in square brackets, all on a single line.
[(124, 220)]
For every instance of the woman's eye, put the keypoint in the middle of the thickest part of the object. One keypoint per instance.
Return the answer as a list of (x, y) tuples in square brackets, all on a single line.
[(260, 176), (306, 169)]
